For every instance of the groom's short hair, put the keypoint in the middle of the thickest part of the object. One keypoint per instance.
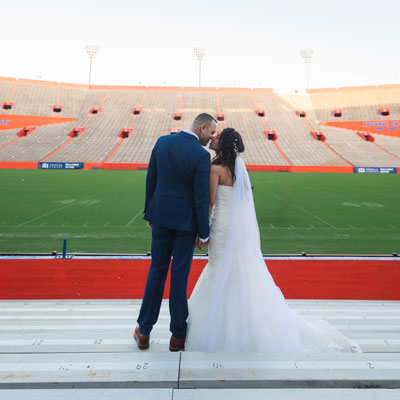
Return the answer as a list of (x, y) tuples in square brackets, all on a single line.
[(204, 118)]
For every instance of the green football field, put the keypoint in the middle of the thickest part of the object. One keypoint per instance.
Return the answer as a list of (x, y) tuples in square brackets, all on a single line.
[(101, 212)]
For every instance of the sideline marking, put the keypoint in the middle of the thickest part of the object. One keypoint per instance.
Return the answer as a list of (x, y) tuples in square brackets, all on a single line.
[(326, 229), (391, 228)]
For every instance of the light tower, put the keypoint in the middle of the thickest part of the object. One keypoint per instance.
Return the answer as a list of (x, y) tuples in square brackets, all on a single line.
[(91, 51), (200, 53), (306, 55)]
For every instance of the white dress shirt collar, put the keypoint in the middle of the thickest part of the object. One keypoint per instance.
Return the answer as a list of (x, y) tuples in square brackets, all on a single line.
[(191, 133)]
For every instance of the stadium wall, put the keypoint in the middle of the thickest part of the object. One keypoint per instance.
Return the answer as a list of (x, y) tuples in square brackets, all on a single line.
[(143, 166), (318, 278), (19, 121), (18, 165)]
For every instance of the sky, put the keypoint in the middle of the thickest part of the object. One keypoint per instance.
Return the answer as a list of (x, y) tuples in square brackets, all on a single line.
[(251, 43)]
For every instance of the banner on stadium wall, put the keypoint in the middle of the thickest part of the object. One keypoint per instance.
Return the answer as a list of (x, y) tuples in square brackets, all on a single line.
[(61, 165), (375, 170)]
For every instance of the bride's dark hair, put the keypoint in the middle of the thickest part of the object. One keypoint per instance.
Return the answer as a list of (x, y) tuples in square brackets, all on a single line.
[(230, 144)]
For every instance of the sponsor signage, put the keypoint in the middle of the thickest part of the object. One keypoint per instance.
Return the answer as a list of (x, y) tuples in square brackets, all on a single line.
[(375, 170), (390, 128), (60, 165), (382, 125)]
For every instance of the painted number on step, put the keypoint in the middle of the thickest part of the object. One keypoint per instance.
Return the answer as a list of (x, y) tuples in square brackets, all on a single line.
[(142, 366)]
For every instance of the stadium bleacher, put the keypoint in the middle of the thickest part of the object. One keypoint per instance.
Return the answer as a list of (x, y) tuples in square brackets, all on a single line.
[(357, 103), (155, 120), (88, 344), (100, 141)]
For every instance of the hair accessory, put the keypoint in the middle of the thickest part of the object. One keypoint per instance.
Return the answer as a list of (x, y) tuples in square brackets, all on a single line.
[(235, 149)]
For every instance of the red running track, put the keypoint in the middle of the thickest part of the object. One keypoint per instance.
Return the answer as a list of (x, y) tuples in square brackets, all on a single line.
[(358, 279)]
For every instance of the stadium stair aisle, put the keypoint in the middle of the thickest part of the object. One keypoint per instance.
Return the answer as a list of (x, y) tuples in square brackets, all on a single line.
[(88, 344)]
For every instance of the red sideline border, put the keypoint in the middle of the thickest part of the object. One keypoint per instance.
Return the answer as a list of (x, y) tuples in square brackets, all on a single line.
[(143, 166), (345, 279)]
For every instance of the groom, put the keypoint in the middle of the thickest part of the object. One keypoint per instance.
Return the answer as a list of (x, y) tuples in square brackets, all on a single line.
[(177, 188)]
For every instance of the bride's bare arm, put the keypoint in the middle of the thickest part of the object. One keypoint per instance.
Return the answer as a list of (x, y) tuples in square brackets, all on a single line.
[(214, 180)]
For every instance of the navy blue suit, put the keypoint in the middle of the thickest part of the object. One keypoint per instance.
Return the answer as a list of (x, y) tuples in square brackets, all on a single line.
[(177, 193)]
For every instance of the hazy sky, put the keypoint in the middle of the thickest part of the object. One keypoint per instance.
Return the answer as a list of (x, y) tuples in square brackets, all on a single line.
[(249, 43)]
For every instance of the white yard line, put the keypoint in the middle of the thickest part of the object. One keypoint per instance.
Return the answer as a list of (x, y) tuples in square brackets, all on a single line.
[(140, 212), (66, 206), (304, 210), (385, 212)]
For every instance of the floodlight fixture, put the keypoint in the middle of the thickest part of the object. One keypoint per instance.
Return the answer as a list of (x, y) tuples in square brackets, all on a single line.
[(200, 53), (306, 55), (91, 51)]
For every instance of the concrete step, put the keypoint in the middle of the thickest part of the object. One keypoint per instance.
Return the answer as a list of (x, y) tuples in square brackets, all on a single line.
[(198, 370), (241, 370), (286, 394), (201, 394), (89, 344), (86, 370), (86, 394), (122, 341), (107, 326)]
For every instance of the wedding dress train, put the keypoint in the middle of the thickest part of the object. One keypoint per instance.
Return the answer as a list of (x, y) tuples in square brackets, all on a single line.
[(235, 305)]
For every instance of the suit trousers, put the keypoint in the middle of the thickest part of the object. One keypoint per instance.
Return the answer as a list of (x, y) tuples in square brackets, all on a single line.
[(179, 245)]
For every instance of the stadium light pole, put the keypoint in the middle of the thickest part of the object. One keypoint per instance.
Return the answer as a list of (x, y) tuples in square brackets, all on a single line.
[(200, 53), (91, 51), (306, 55)]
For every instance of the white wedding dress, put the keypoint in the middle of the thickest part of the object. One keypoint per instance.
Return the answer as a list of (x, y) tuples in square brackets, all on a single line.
[(235, 305)]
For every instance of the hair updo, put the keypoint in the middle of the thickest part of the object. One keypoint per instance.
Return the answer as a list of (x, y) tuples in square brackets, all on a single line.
[(230, 144)]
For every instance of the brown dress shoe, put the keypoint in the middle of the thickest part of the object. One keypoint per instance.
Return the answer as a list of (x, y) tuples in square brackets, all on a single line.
[(141, 340), (176, 344)]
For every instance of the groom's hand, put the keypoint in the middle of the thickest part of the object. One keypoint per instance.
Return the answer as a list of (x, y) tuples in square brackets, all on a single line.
[(201, 244), (149, 224)]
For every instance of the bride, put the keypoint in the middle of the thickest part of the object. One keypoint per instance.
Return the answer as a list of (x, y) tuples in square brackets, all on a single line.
[(235, 305)]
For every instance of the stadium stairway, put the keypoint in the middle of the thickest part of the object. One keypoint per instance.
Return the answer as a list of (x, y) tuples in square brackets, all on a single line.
[(50, 347)]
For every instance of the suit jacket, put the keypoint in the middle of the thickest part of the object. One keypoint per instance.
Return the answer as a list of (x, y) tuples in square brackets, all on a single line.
[(177, 184)]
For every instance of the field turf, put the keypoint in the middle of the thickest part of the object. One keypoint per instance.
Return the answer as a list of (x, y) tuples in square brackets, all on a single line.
[(101, 212)]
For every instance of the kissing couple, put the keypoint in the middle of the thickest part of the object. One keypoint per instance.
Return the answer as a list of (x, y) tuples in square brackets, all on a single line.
[(235, 305)]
